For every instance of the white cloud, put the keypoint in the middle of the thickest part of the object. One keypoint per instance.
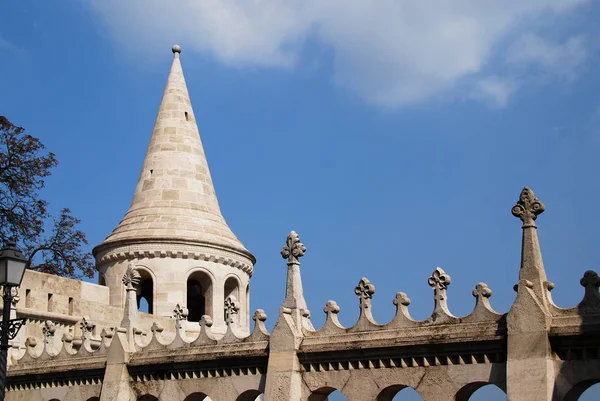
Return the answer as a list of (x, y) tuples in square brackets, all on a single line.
[(562, 59), (390, 52), (494, 90)]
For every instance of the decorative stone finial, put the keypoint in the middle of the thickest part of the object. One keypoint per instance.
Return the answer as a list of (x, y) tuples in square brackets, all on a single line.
[(528, 207), (49, 329), (156, 328), (365, 291), (232, 307), (331, 307), (293, 249), (131, 277), (206, 321), (259, 316), (591, 282), (439, 281), (176, 49), (180, 313), (86, 328), (14, 291), (482, 290), (401, 299)]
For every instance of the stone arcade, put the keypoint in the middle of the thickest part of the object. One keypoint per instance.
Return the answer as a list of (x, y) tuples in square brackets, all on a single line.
[(174, 252)]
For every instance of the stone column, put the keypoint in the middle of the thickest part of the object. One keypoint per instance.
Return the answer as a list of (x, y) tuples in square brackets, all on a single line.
[(530, 367), (284, 373)]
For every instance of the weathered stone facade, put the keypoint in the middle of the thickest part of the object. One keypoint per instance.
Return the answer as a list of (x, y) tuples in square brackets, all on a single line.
[(174, 250)]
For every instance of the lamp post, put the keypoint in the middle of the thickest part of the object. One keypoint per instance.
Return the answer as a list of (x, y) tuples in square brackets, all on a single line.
[(12, 269)]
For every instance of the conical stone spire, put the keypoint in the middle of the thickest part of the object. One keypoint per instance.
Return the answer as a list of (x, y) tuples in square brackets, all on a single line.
[(175, 199)]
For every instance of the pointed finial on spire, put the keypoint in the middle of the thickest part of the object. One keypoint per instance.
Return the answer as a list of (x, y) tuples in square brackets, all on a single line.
[(528, 207), (293, 249), (176, 49)]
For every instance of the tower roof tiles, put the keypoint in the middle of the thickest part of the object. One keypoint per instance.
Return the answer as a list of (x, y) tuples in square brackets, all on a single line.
[(175, 198)]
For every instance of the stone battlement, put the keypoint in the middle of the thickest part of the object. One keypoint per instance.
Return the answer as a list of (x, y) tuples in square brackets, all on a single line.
[(443, 357)]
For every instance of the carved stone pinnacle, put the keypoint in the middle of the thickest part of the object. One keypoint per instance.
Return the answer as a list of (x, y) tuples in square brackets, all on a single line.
[(439, 280), (260, 316), (232, 307), (206, 321), (365, 291), (401, 299), (131, 277), (156, 328), (49, 328), (590, 278), (293, 248), (528, 207), (482, 290), (180, 312), (331, 307)]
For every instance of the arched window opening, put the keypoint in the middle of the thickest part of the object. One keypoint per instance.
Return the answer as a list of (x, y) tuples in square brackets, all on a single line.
[(145, 292), (199, 296), (250, 395), (197, 397), (232, 288), (147, 397), (488, 393), (399, 392), (480, 391), (327, 394), (588, 390), (94, 399)]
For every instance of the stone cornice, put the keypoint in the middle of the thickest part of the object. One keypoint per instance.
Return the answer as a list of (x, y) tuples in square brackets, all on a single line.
[(176, 249)]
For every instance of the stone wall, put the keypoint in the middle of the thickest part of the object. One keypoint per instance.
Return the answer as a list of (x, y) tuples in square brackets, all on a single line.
[(535, 352)]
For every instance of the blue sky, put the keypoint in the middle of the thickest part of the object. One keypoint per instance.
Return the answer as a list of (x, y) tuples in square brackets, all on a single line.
[(394, 137)]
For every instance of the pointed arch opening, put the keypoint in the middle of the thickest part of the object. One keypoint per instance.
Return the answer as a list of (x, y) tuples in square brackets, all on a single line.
[(144, 291), (232, 288), (199, 295)]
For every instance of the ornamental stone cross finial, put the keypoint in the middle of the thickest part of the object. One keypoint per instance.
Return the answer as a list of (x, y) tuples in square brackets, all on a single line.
[(439, 281), (232, 307), (591, 282), (331, 307), (180, 313), (206, 321), (49, 329), (131, 277), (528, 207), (259, 316), (482, 291), (293, 249), (401, 299), (365, 291), (86, 327), (156, 328)]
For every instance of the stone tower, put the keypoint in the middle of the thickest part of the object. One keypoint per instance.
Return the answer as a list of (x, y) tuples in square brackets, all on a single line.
[(174, 233)]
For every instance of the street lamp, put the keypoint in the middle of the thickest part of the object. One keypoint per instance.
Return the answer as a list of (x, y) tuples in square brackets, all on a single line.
[(12, 269)]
